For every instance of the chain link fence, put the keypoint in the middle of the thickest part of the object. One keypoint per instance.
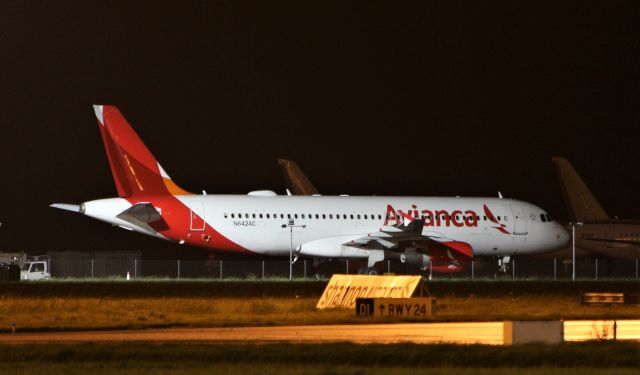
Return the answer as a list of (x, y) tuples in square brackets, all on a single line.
[(123, 263)]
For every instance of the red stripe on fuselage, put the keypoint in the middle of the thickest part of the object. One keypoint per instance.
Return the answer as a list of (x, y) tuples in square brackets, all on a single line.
[(176, 225)]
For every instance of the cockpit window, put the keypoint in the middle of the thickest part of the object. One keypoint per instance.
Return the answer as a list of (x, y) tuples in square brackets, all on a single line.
[(545, 218)]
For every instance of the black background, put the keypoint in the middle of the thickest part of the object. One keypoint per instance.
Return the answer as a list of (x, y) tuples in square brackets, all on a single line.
[(384, 98)]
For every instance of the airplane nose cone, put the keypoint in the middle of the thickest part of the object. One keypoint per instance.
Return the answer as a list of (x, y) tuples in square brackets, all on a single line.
[(562, 236)]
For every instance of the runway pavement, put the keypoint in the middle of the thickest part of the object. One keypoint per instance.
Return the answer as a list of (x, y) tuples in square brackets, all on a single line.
[(463, 333), (489, 333)]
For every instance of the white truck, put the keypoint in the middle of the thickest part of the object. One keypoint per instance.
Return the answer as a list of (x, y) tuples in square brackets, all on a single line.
[(35, 270), (32, 267)]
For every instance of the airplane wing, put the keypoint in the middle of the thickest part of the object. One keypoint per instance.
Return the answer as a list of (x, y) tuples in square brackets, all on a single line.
[(408, 235)]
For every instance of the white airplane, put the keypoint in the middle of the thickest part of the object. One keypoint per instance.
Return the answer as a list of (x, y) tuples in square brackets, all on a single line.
[(412, 229), (596, 232)]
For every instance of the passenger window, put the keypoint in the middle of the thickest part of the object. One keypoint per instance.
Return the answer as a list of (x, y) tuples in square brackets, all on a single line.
[(232, 216), (344, 216), (379, 217), (324, 216), (260, 216), (268, 217), (498, 218), (506, 218), (246, 216), (288, 216), (365, 217), (295, 216), (351, 216), (330, 216), (544, 219), (225, 216), (317, 216), (253, 216), (358, 217)]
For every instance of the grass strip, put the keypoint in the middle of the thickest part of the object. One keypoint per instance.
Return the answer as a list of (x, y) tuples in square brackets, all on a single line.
[(134, 368), (300, 288), (591, 354), (91, 313)]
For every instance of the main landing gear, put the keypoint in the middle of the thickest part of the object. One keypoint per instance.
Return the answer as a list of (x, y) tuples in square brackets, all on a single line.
[(504, 265), (371, 271)]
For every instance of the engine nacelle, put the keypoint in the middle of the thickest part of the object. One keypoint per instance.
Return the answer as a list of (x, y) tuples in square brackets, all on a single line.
[(418, 259)]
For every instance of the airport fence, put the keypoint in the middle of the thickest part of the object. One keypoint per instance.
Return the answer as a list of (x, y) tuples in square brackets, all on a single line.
[(119, 264)]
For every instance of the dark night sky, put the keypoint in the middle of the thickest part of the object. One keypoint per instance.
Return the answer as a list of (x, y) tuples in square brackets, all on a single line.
[(385, 98)]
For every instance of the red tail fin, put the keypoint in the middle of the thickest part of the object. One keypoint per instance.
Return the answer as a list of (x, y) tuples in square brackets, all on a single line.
[(134, 168)]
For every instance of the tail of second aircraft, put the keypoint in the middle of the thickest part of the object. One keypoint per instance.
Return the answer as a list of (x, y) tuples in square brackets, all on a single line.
[(297, 181), (135, 170), (581, 203)]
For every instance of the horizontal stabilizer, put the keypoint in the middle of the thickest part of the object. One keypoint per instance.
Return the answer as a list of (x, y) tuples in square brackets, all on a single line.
[(68, 207), (144, 212), (141, 215)]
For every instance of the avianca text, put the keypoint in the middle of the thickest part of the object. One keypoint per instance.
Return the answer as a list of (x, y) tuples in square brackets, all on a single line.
[(435, 218)]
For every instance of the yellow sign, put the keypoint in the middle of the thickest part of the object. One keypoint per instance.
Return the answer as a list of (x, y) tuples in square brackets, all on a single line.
[(395, 307), (343, 290)]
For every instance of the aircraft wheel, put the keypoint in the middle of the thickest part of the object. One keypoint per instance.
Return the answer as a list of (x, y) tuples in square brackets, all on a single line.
[(370, 271)]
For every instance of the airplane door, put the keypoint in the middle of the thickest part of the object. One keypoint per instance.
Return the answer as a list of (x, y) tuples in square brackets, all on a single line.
[(197, 220), (519, 220)]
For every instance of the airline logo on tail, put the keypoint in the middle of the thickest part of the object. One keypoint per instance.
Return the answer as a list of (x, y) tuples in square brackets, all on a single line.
[(135, 170), (142, 181)]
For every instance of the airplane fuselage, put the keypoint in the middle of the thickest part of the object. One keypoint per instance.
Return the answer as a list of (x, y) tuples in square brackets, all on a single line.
[(322, 224), (610, 238), (418, 230)]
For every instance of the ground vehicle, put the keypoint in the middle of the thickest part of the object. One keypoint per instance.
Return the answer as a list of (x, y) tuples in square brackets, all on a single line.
[(36, 269)]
